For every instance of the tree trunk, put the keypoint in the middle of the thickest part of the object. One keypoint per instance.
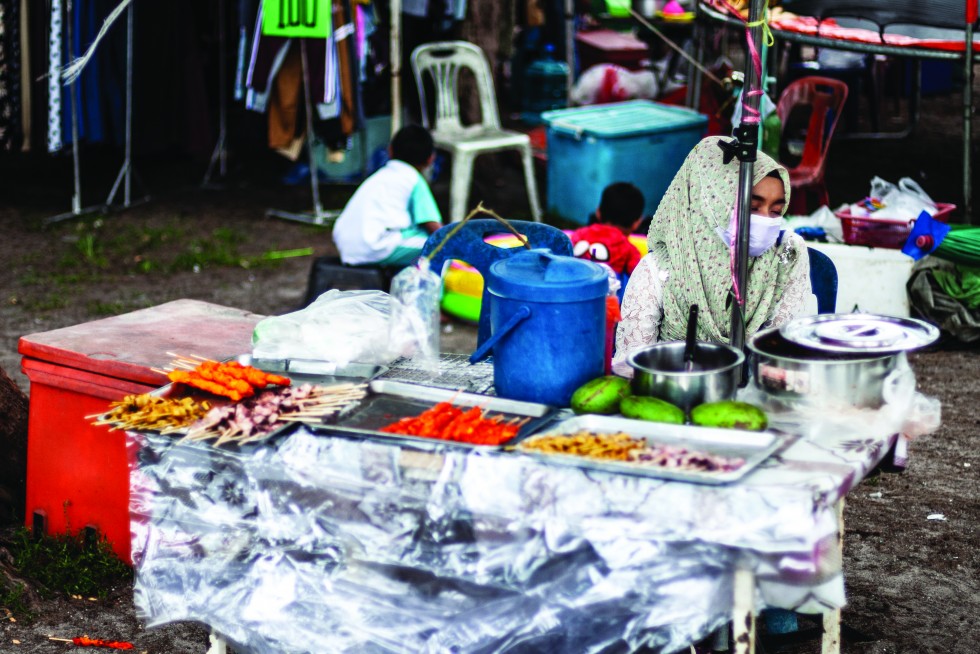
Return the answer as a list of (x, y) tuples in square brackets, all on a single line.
[(13, 450)]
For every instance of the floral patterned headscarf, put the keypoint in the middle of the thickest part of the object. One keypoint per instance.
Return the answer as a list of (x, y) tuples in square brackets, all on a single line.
[(684, 237)]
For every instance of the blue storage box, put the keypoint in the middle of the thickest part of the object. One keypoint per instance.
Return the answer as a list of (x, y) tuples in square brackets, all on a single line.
[(591, 147)]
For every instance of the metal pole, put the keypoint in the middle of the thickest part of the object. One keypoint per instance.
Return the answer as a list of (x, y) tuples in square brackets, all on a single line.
[(748, 134), (569, 47), (314, 173), (125, 173), (396, 66), (967, 126), (697, 77), (220, 155), (127, 192), (76, 198)]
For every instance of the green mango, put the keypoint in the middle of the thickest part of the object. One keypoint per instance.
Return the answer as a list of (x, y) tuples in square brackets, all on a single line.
[(600, 395), (651, 409), (730, 415)]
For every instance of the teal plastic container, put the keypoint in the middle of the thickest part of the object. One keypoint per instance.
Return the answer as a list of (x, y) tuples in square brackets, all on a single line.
[(545, 85), (548, 323), (640, 141)]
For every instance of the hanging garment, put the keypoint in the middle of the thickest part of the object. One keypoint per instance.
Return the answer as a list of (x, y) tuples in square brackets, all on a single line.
[(54, 78), (9, 74), (268, 53), (284, 100), (247, 10), (344, 35), (417, 8), (99, 97)]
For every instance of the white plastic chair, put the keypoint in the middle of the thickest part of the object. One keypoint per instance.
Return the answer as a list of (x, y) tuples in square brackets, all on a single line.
[(443, 61)]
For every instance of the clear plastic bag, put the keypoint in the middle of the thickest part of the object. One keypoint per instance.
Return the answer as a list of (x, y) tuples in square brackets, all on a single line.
[(416, 293), (904, 201), (924, 416), (339, 327)]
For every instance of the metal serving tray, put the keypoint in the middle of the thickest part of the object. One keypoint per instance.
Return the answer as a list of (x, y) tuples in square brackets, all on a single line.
[(321, 373), (753, 446), (389, 401)]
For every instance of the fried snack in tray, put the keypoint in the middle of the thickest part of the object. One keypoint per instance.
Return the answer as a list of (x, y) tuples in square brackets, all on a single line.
[(447, 422), (627, 449), (255, 417), (153, 413), (229, 379)]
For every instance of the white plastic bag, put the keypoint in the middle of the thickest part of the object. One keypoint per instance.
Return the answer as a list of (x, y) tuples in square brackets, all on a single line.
[(340, 327), (604, 83), (904, 201)]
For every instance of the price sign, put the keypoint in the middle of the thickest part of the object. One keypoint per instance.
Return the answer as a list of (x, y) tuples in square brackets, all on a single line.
[(296, 18)]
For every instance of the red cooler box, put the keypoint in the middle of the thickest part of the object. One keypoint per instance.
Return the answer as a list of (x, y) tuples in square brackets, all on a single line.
[(77, 473)]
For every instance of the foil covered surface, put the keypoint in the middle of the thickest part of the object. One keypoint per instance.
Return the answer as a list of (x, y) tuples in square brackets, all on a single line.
[(324, 543)]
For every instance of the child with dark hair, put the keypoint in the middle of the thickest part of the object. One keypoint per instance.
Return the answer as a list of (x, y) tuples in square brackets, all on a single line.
[(606, 240), (392, 213)]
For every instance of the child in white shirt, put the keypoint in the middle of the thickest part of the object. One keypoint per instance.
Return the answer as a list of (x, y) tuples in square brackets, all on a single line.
[(392, 213)]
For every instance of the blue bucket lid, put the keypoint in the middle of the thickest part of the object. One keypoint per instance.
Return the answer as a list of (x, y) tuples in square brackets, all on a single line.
[(540, 276)]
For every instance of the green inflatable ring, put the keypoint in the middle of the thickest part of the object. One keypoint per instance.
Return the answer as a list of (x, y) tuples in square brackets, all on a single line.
[(464, 307)]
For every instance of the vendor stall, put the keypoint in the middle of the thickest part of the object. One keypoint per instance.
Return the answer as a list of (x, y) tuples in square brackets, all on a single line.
[(324, 539)]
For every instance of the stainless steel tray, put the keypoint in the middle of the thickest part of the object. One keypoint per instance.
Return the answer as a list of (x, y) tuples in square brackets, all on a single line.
[(752, 446), (388, 401), (322, 373)]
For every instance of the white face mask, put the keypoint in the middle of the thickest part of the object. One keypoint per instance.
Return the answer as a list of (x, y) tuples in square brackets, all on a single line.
[(763, 232)]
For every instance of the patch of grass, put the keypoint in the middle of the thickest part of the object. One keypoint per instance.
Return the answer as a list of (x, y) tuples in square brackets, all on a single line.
[(13, 598), (65, 563), (44, 302), (100, 308), (221, 249)]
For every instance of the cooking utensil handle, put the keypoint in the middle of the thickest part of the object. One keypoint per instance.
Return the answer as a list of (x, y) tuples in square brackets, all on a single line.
[(690, 345), (522, 313)]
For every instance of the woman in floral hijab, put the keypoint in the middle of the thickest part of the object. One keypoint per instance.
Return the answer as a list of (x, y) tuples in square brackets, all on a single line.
[(689, 258)]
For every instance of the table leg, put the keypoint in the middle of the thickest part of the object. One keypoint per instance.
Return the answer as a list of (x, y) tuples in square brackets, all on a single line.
[(743, 611), (830, 643), (218, 645)]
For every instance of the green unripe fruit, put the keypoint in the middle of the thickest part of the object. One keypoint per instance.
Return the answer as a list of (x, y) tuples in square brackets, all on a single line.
[(651, 409), (730, 415), (600, 395)]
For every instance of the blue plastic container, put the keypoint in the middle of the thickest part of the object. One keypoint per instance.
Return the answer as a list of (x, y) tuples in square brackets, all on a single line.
[(639, 141), (545, 84), (548, 321)]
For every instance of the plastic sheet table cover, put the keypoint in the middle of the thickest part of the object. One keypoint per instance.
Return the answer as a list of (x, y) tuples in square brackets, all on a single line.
[(320, 543)]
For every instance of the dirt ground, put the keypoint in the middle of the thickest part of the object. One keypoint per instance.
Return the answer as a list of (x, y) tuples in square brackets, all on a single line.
[(913, 584)]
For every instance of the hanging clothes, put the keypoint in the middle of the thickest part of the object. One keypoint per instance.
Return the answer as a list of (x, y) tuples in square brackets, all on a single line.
[(247, 10), (54, 77), (344, 36), (267, 56), (9, 74), (284, 101)]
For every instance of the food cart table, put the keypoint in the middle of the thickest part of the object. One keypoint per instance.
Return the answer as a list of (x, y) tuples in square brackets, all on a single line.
[(318, 542)]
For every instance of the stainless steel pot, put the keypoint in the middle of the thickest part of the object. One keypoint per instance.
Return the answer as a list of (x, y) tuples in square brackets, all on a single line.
[(794, 373), (658, 371)]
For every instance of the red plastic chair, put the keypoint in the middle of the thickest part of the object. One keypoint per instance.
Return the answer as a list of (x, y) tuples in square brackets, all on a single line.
[(824, 98)]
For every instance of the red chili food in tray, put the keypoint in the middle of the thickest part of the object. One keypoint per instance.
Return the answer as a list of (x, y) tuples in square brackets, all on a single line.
[(449, 423)]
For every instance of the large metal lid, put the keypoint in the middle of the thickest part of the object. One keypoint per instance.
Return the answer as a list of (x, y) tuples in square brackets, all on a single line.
[(859, 333)]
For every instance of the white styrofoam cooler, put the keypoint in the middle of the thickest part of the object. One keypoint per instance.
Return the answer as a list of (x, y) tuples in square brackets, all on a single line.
[(870, 280)]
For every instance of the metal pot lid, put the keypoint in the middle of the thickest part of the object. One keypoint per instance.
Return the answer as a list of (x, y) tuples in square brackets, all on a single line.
[(859, 333)]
